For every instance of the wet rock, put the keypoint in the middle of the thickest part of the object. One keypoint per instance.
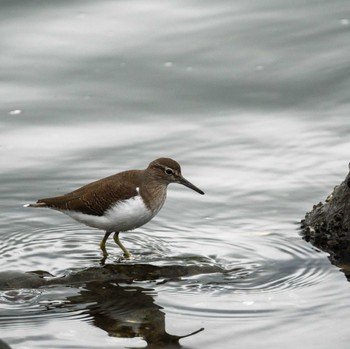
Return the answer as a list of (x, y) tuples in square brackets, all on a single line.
[(126, 273), (15, 279), (3, 345), (327, 225)]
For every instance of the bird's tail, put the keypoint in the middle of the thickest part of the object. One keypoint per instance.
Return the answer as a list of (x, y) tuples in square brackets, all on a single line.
[(38, 204)]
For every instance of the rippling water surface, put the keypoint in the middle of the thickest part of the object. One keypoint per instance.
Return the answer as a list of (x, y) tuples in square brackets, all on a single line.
[(251, 99)]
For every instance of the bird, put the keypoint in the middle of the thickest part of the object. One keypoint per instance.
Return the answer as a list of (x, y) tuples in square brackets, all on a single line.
[(121, 202)]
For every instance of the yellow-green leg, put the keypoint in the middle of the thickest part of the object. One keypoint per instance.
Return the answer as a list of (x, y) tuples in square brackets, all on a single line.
[(127, 254), (103, 243)]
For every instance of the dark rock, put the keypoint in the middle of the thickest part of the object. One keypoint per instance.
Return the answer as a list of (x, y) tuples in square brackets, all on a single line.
[(3, 345), (15, 279), (126, 273), (327, 226)]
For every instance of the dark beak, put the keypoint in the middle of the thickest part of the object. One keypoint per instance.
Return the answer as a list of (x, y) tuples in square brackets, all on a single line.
[(188, 184)]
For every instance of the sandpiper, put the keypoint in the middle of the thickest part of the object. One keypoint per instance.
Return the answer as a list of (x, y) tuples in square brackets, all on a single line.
[(121, 202)]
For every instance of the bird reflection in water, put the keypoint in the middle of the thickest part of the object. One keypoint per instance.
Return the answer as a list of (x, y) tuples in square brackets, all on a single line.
[(127, 312), (110, 297)]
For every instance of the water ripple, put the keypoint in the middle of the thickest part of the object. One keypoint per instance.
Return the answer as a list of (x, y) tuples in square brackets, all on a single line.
[(256, 267), (33, 306)]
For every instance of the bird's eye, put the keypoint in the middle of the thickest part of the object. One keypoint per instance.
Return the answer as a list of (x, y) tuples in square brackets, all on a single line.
[(169, 171)]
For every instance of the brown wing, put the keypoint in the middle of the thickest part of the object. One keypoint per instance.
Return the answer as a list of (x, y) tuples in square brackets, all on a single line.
[(97, 197)]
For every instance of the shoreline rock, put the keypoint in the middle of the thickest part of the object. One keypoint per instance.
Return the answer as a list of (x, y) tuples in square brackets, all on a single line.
[(327, 225)]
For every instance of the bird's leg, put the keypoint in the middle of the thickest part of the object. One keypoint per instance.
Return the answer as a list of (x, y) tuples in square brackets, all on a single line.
[(127, 254), (103, 243)]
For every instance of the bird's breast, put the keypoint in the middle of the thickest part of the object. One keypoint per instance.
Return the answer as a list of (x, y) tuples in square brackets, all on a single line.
[(122, 216), (154, 196)]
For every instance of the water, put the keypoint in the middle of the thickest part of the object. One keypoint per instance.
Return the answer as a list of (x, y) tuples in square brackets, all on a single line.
[(251, 99)]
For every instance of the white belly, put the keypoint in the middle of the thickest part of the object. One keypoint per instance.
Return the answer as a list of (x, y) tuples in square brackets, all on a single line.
[(124, 216)]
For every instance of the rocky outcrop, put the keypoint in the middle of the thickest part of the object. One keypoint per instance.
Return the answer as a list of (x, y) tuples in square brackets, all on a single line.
[(327, 225)]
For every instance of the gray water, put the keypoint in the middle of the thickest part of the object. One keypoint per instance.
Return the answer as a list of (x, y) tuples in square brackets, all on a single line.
[(252, 98)]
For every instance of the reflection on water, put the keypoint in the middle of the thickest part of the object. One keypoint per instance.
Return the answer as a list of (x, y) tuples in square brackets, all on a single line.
[(121, 311), (127, 312)]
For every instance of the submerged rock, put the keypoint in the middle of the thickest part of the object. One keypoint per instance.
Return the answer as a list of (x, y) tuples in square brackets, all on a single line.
[(327, 225), (126, 273), (15, 279), (4, 345)]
